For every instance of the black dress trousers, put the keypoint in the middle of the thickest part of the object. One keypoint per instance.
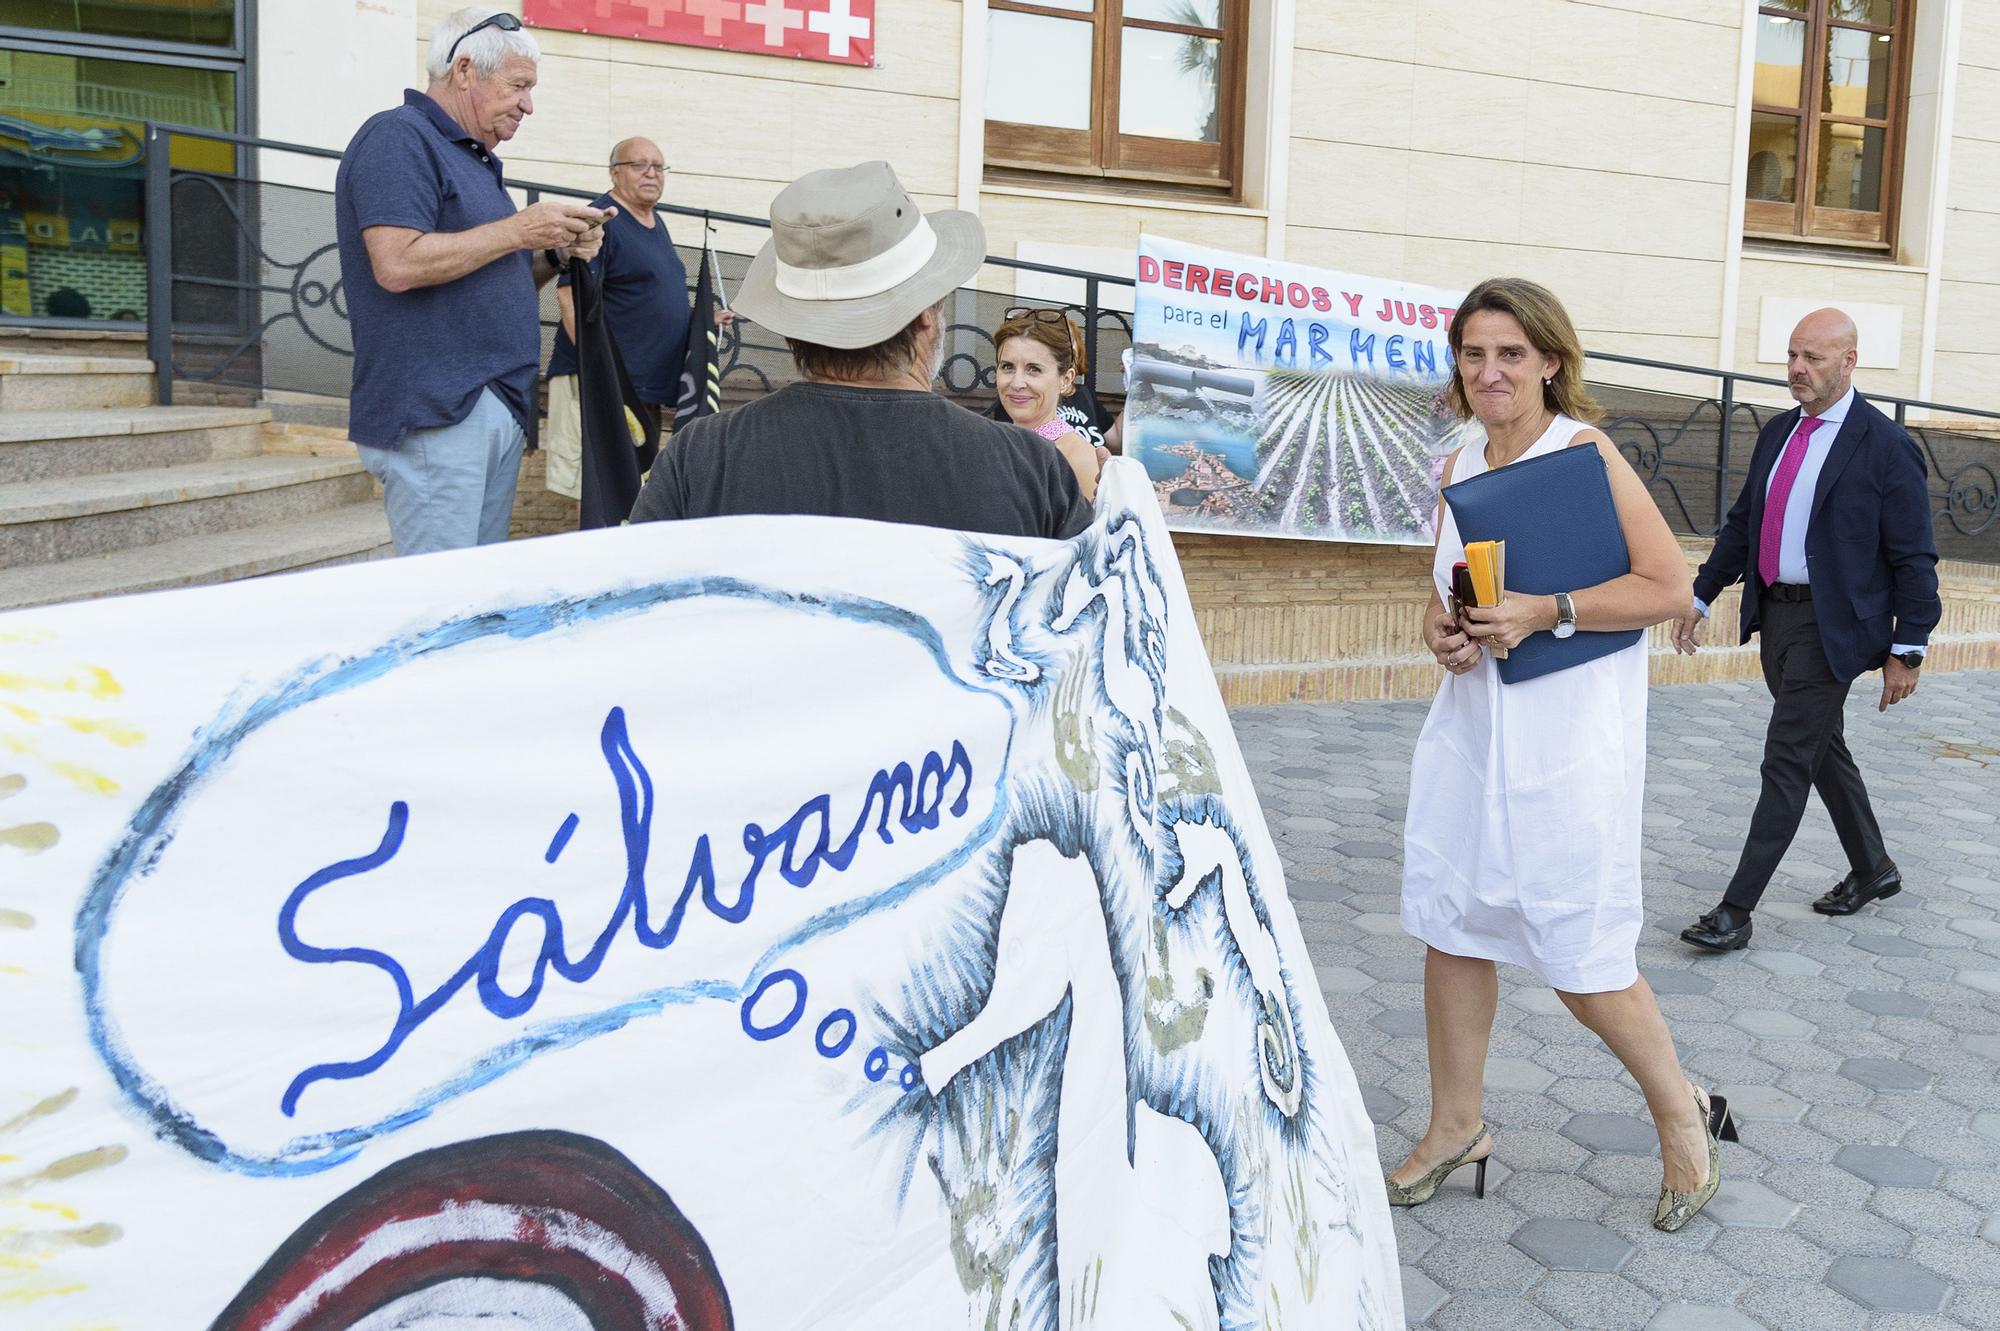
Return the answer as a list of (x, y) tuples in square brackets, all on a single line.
[(1804, 749)]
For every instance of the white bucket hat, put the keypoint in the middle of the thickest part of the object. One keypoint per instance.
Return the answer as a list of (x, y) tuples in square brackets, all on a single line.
[(852, 260)]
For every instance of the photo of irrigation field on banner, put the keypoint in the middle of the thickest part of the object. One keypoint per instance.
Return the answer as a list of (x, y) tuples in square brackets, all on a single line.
[(1273, 399)]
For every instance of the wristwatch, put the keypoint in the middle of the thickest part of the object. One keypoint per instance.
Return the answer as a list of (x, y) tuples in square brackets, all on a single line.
[(1565, 615), (1911, 660)]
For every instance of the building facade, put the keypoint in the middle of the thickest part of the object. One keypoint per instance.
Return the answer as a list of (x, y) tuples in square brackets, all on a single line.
[(1688, 177)]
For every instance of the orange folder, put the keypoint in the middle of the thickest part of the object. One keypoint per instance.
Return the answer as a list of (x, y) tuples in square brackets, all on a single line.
[(1487, 562)]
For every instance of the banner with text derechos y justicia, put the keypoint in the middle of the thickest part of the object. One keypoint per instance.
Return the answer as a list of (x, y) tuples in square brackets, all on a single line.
[(669, 928), (1273, 399)]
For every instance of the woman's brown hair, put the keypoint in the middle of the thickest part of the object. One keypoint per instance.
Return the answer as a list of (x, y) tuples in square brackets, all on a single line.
[(1057, 334), (1547, 324)]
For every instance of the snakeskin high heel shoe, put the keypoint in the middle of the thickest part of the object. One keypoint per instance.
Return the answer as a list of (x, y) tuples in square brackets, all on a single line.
[(1426, 1187), (1677, 1208)]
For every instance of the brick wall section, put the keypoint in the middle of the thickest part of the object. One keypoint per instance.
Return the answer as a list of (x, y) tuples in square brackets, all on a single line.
[(110, 282), (1308, 621)]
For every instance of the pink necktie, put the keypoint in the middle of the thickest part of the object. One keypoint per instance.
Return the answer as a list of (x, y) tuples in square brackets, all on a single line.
[(1773, 535)]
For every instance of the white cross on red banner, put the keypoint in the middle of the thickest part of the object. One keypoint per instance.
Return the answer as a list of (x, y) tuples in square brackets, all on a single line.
[(840, 31)]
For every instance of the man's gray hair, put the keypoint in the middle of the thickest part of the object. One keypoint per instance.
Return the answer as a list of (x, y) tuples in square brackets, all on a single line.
[(489, 47)]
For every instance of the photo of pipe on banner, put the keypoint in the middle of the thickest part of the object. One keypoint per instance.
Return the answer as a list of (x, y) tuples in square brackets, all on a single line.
[(1273, 399), (766, 922)]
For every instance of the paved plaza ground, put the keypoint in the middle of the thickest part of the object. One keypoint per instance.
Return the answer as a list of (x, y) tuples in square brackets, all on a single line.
[(1859, 1054)]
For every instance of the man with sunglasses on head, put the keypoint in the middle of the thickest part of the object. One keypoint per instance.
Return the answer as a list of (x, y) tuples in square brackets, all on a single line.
[(440, 272)]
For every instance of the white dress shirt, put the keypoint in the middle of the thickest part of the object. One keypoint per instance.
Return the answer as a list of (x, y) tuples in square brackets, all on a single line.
[(1798, 505)]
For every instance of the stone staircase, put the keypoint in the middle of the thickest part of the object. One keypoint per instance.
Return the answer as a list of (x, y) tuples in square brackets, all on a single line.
[(102, 493)]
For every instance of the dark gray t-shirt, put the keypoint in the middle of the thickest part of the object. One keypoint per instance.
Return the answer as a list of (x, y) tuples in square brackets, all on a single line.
[(893, 455)]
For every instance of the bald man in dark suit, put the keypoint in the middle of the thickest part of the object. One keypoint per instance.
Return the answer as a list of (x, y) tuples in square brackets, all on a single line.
[(1831, 539)]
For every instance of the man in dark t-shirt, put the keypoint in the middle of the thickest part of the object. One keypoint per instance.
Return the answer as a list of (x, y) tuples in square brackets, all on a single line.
[(855, 278)]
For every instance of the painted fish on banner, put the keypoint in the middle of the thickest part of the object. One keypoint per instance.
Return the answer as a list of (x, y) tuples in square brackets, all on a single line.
[(839, 31), (762, 939), (1273, 399)]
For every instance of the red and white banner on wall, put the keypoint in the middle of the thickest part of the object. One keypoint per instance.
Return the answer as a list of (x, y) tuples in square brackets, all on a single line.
[(840, 31)]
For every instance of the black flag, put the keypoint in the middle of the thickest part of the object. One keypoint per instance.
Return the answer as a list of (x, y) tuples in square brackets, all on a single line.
[(701, 388), (613, 461)]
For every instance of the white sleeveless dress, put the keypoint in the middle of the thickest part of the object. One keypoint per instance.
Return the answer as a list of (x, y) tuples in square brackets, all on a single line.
[(1522, 839)]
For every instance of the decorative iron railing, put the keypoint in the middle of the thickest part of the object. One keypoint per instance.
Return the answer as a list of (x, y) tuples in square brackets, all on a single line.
[(244, 287)]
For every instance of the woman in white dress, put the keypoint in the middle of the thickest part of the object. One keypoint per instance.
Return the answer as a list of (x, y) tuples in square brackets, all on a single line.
[(1522, 840)]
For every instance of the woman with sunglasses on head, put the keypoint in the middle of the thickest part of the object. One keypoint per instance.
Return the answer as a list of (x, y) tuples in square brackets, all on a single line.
[(1037, 357)]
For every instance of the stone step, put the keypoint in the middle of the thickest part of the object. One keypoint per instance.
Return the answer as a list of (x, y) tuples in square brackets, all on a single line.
[(342, 535), (72, 516), (42, 445), (49, 383)]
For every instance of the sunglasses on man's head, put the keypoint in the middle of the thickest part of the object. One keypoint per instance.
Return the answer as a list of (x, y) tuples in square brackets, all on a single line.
[(504, 22)]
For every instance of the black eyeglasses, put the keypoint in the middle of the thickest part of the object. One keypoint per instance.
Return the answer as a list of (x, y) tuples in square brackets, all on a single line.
[(1046, 314), (504, 22)]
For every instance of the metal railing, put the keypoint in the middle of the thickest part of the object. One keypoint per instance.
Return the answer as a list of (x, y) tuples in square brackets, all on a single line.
[(239, 299)]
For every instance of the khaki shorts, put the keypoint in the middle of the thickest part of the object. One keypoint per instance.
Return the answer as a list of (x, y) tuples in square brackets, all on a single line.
[(563, 439)]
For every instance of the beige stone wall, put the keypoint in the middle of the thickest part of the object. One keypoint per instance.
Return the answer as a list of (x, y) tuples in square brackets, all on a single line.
[(1967, 369), (1446, 142)]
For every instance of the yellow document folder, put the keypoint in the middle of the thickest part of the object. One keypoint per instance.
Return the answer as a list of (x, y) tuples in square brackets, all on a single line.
[(1487, 562)]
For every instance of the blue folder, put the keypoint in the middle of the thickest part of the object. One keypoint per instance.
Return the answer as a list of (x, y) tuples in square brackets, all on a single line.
[(1561, 528)]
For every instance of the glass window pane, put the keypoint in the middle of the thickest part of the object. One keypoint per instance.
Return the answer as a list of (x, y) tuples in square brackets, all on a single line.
[(1796, 6), (1850, 167), (1879, 12), (1774, 158), (1169, 86), (1038, 70), (207, 22), (1781, 51), (72, 176), (1857, 73), (1187, 13)]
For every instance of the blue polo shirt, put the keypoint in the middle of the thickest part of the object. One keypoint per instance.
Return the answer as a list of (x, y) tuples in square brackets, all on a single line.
[(422, 357), (646, 299)]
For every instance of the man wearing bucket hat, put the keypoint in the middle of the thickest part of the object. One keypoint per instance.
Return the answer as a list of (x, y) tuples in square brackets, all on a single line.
[(855, 279)]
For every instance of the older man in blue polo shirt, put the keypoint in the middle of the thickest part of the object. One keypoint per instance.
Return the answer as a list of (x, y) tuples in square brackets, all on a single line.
[(440, 273)]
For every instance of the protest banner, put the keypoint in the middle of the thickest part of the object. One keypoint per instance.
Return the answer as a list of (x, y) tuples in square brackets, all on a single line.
[(1273, 399), (764, 922)]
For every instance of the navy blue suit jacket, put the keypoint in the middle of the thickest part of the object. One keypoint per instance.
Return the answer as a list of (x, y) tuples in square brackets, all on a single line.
[(1869, 551)]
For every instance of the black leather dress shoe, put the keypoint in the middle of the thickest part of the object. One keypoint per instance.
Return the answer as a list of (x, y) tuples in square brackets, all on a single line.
[(1724, 929), (1858, 889)]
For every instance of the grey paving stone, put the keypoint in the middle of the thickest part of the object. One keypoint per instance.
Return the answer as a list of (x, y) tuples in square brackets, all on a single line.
[(1763, 1102), (1888, 1284), (1889, 945), (1780, 962), (1889, 1166), (1422, 1296), (1370, 850), (1612, 1133), (1986, 982), (1581, 1299), (1493, 1312), (1472, 1264), (1770, 1024), (1701, 1317), (1343, 979), (1747, 1204), (1517, 1074), (1309, 889), (1572, 1245), (1885, 1074), (1382, 1105), (1985, 1046), (1990, 1231), (1888, 1004), (1987, 1125), (1543, 1001), (1674, 981), (1380, 925), (1401, 1022)]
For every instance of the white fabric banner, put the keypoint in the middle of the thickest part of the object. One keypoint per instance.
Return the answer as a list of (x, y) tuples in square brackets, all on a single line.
[(774, 923)]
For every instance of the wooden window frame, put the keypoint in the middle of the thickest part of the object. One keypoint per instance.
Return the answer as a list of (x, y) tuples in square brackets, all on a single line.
[(1803, 219), (1040, 152)]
